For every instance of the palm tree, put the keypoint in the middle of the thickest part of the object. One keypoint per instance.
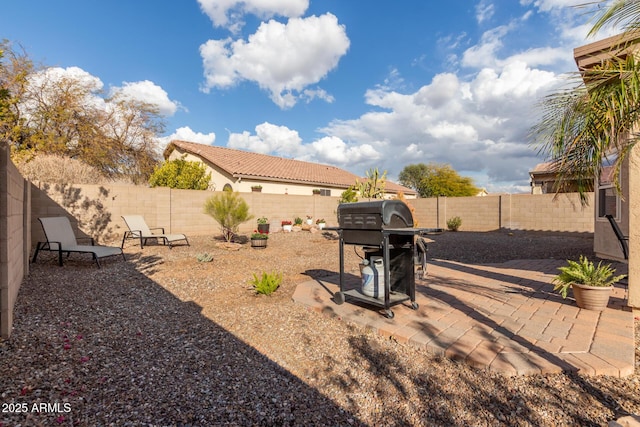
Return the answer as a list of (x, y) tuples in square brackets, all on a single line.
[(594, 118)]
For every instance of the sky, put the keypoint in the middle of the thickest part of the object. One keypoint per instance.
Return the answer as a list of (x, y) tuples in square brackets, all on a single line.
[(355, 84)]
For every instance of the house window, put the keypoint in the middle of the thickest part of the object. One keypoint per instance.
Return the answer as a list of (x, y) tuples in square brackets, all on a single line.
[(325, 192), (608, 199), (607, 202)]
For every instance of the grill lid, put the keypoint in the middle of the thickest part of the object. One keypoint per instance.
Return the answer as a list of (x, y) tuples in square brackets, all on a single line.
[(375, 215)]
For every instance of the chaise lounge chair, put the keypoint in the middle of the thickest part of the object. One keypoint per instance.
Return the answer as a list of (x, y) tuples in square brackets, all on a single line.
[(138, 229), (61, 238)]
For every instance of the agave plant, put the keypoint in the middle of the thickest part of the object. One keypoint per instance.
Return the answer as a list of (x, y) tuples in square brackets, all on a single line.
[(586, 273)]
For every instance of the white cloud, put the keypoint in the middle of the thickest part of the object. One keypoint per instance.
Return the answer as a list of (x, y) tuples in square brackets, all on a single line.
[(229, 13), (549, 5), (335, 151), (282, 141), (50, 79), (281, 58), (269, 138), (479, 124), (185, 133), (484, 54), (484, 11), (149, 92)]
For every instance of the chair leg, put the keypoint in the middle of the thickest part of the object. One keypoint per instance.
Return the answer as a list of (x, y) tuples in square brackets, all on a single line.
[(38, 247)]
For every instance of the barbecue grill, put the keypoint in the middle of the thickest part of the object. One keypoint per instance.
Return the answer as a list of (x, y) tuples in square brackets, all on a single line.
[(384, 229)]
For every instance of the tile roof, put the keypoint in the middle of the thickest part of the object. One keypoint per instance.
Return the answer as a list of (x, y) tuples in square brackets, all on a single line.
[(249, 165)]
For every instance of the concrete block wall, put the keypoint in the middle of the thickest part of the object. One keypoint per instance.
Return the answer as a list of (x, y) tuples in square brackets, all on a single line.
[(98, 210), (14, 237), (549, 212), (544, 212)]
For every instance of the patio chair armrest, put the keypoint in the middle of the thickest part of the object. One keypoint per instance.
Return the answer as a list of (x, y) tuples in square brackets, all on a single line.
[(134, 233), (58, 247), (87, 238), (157, 228)]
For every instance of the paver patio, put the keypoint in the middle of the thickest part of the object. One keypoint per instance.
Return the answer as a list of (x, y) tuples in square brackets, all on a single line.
[(501, 317)]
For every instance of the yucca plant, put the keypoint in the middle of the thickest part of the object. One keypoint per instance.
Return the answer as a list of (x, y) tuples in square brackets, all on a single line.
[(584, 272)]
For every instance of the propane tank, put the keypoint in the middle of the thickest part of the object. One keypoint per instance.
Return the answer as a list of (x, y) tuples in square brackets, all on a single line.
[(373, 277)]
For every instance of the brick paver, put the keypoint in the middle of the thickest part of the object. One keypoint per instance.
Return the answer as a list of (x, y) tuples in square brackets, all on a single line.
[(502, 317)]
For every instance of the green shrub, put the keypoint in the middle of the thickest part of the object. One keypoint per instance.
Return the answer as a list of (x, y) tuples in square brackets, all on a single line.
[(454, 223), (229, 210), (349, 195), (267, 283), (182, 174)]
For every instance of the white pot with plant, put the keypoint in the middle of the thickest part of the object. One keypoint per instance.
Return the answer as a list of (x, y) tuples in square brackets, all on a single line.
[(591, 284), (286, 226)]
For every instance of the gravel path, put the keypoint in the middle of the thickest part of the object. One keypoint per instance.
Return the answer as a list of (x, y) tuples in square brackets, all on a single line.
[(165, 340)]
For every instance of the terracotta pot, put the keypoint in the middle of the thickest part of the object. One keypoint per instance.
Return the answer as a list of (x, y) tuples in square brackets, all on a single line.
[(591, 297)]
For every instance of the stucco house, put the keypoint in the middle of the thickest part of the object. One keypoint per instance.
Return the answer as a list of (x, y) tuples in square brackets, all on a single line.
[(244, 171), (624, 207), (543, 178)]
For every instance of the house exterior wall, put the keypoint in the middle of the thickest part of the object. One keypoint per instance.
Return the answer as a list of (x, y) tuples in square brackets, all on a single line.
[(605, 242), (633, 230), (220, 178)]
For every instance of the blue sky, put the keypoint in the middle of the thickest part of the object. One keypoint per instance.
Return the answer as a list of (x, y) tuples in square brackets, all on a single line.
[(350, 83)]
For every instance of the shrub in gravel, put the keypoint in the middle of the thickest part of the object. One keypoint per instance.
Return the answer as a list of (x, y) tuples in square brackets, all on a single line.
[(230, 210), (205, 257), (454, 223), (267, 283)]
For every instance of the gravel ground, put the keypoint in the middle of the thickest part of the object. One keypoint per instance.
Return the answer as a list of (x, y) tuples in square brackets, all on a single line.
[(165, 340)]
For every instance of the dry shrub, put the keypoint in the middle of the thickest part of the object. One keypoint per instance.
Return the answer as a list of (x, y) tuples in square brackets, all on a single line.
[(60, 170)]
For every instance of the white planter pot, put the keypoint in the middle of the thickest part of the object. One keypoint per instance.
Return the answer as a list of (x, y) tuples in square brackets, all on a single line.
[(309, 221), (321, 225), (287, 228)]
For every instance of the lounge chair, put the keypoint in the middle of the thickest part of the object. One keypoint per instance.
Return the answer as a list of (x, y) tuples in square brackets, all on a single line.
[(138, 229), (61, 239)]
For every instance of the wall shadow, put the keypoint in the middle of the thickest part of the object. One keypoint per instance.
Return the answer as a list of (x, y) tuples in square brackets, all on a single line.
[(89, 215), (120, 348)]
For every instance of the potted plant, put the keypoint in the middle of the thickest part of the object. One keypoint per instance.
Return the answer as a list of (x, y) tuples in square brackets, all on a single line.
[(591, 284), (297, 224), (259, 240), (316, 191), (286, 225), (320, 223), (263, 225), (256, 188), (309, 220)]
